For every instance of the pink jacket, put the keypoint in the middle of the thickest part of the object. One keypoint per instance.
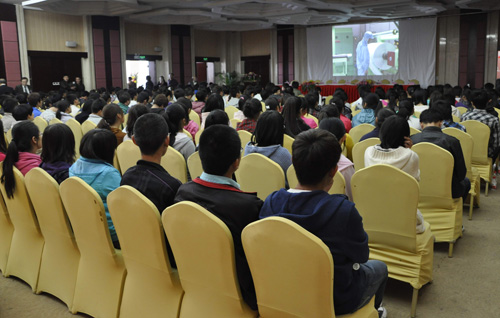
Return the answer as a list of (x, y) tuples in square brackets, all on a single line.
[(198, 106), (27, 161)]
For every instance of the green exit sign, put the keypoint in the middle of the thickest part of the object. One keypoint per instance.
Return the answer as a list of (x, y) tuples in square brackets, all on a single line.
[(205, 59)]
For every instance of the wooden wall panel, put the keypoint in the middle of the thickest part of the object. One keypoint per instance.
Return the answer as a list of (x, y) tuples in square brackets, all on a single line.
[(49, 31), (207, 43), (256, 43), (142, 38)]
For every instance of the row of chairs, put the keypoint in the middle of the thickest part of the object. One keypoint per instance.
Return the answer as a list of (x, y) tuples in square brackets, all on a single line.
[(62, 246)]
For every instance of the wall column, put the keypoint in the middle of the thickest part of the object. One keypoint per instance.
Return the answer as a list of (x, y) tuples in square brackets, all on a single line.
[(23, 47), (491, 54)]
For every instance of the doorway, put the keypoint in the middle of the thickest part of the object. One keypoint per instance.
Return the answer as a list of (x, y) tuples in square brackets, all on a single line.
[(205, 72), (138, 70), (258, 65)]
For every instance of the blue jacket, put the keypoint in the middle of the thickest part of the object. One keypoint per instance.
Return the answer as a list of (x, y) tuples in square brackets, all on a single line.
[(276, 153), (365, 116), (102, 177), (335, 220)]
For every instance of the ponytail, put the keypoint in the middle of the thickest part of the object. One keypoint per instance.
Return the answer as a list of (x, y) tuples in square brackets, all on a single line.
[(174, 114), (109, 116), (103, 124), (8, 179)]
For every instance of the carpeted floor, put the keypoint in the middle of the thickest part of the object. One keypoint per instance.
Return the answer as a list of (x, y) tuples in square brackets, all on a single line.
[(464, 286)]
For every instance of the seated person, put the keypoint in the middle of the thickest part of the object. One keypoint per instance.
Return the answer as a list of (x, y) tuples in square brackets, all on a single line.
[(220, 154), (191, 126), (394, 150), (251, 110), (304, 109), (367, 114), (407, 111), (357, 279), (133, 114), (112, 119), (292, 113), (382, 115), (235, 95), (58, 151), (213, 102), (342, 110), (148, 176), (445, 109), (8, 106), (199, 104), (431, 121), (63, 111), (85, 113), (35, 101), (179, 140), (241, 105), (345, 166), (95, 167), (97, 107), (21, 113)]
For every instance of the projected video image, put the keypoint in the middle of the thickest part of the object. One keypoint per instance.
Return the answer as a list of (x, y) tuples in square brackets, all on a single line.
[(365, 49)]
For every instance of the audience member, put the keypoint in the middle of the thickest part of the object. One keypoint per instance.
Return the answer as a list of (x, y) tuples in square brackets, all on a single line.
[(304, 108), (235, 96), (21, 113), (177, 119), (357, 279), (199, 104), (444, 108), (367, 114), (191, 126), (63, 111), (124, 101), (252, 110), (85, 113), (407, 111), (112, 119), (217, 117), (58, 151), (8, 106), (35, 101), (133, 114), (340, 105), (294, 124), (214, 102)]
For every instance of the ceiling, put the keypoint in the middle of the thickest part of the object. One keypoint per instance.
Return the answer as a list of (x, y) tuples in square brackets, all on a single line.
[(240, 15)]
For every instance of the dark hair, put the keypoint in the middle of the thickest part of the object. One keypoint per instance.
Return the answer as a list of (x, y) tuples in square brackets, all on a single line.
[(444, 108), (234, 91), (420, 96), (314, 153), (393, 132), (9, 104), (328, 112), (219, 147), (99, 144), (457, 91), (382, 115), (22, 135), (431, 115), (143, 97), (406, 108), (311, 99), (161, 100), (109, 114), (71, 98), (149, 140), (58, 144), (291, 115), (213, 102), (62, 106), (3, 142), (272, 104), (269, 130), (380, 92), (133, 114), (176, 114), (21, 98), (480, 99), (98, 105), (252, 108), (201, 95), (179, 92), (34, 99), (392, 99), (186, 103), (333, 125), (216, 117), (124, 97), (21, 112), (371, 100)]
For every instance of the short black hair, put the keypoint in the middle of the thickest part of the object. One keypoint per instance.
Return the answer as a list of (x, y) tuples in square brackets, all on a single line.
[(328, 112), (9, 104), (99, 144), (58, 144), (97, 105), (161, 100), (272, 104), (201, 95), (314, 153), (393, 132), (269, 130), (217, 117), (143, 97), (213, 102), (252, 108), (219, 148), (21, 112), (34, 99), (430, 115), (480, 99), (149, 140), (179, 92), (334, 126), (371, 100), (444, 108), (124, 97), (383, 114)]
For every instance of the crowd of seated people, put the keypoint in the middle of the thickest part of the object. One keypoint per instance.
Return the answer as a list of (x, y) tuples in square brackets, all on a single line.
[(159, 116)]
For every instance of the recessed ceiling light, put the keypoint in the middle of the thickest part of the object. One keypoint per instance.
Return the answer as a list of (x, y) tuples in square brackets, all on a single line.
[(30, 2)]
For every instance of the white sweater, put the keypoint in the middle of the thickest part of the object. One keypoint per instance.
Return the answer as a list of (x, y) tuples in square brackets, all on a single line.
[(401, 158)]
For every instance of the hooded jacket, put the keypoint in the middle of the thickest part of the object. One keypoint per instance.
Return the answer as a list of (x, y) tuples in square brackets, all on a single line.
[(57, 170), (365, 116), (184, 145), (102, 177), (27, 161), (276, 153), (334, 220)]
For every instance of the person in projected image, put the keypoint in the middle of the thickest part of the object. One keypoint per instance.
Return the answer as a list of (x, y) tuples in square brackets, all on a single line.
[(362, 54)]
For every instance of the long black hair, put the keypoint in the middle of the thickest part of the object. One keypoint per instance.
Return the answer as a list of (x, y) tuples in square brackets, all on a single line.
[(22, 136), (269, 130), (133, 114), (99, 144), (291, 116), (175, 114), (58, 144), (110, 113)]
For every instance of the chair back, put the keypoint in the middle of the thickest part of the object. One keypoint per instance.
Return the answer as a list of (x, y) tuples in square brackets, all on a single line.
[(466, 142), (187, 134), (387, 222), (152, 288), (40, 123), (174, 162), (288, 142), (414, 131), (456, 119), (292, 269), (128, 154), (234, 122), (257, 173), (27, 243), (76, 128), (194, 165), (60, 256), (359, 149), (204, 252), (6, 231), (436, 171), (481, 135), (462, 110), (198, 135), (359, 131), (194, 117), (55, 121), (245, 137), (230, 111), (87, 126), (8, 136), (338, 186)]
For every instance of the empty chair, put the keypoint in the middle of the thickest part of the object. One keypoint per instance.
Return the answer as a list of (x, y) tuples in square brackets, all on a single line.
[(338, 186), (128, 154), (6, 231), (27, 241), (87, 126), (60, 256), (175, 164), (40, 123), (245, 137), (436, 204), (292, 271), (390, 224), (101, 271), (152, 288), (230, 110), (359, 131), (467, 144), (358, 152), (76, 128), (194, 165), (204, 252), (481, 135), (257, 173)]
